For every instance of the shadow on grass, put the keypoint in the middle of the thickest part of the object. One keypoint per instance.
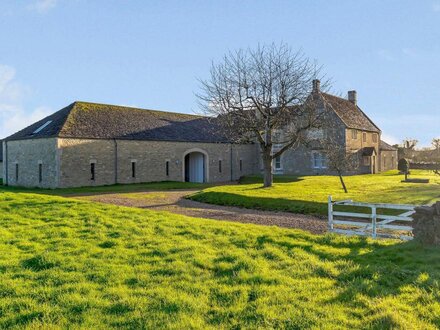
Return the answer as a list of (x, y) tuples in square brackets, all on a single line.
[(260, 203), (369, 269), (110, 189), (276, 179)]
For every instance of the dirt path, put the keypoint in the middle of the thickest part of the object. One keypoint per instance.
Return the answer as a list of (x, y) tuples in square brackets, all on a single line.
[(174, 201)]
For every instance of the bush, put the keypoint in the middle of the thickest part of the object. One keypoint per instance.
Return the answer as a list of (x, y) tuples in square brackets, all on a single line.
[(403, 165)]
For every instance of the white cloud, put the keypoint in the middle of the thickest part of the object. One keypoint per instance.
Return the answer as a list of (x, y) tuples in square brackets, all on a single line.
[(42, 6), (13, 116)]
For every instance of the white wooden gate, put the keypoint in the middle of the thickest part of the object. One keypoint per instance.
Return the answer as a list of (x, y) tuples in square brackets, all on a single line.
[(371, 224)]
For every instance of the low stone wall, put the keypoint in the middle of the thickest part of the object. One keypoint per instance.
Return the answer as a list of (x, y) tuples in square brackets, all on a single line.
[(426, 224), (424, 166)]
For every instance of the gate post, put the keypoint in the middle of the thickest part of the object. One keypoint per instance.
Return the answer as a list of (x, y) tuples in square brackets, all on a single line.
[(374, 220), (330, 213)]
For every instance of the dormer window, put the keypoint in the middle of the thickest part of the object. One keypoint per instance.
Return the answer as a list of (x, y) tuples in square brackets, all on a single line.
[(39, 129)]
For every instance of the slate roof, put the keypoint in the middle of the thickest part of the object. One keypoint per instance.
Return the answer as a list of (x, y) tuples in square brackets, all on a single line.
[(350, 114), (385, 146), (103, 121), (368, 151)]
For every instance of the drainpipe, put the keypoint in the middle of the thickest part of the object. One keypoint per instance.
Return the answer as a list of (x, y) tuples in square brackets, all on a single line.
[(231, 163), (6, 163), (116, 160)]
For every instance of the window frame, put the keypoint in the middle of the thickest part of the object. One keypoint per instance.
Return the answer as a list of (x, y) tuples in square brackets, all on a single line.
[(319, 160), (366, 161), (364, 136), (374, 138), (167, 168), (354, 134), (278, 163)]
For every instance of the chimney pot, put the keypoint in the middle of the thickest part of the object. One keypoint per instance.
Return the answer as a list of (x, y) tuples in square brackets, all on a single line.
[(352, 97), (316, 85)]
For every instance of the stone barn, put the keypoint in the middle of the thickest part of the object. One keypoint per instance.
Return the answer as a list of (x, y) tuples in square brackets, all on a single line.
[(88, 144)]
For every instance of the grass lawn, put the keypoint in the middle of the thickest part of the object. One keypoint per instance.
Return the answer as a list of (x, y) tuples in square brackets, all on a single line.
[(309, 194), (66, 263), (117, 188)]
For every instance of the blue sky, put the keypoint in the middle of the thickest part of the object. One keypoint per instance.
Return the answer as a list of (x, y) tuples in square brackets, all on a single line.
[(150, 53)]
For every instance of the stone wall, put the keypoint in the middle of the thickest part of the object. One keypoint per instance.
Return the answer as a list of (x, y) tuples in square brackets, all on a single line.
[(388, 160), (358, 143), (426, 224), (150, 158), (76, 157), (27, 156), (300, 160)]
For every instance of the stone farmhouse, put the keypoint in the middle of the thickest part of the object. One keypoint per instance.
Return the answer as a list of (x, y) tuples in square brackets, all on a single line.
[(89, 144), (347, 125)]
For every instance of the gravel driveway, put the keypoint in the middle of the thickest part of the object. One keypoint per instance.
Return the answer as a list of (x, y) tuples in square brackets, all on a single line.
[(174, 201)]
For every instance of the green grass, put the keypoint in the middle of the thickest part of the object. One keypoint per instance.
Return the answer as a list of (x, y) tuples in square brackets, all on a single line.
[(309, 194), (73, 264)]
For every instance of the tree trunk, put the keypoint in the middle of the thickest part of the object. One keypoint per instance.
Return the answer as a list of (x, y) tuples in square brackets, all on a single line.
[(343, 183), (268, 177)]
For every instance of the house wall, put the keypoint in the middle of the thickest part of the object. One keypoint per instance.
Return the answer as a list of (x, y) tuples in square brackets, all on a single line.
[(150, 157), (300, 160), (388, 160), (359, 143), (28, 154)]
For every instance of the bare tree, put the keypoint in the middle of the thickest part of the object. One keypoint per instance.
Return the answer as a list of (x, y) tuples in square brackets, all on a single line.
[(256, 93), (436, 144), (410, 144), (339, 159)]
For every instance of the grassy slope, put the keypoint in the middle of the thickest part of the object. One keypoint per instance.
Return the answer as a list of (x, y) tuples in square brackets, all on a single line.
[(67, 263), (118, 188), (309, 194)]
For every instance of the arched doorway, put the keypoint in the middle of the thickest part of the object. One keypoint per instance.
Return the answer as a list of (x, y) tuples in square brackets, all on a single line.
[(195, 169)]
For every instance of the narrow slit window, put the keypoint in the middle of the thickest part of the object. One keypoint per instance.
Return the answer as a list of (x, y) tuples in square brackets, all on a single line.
[(219, 166), (364, 137), (92, 171), (16, 172), (40, 173), (133, 169), (241, 165), (167, 168)]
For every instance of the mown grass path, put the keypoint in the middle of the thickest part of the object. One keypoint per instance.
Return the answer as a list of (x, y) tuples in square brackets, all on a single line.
[(66, 263), (174, 201)]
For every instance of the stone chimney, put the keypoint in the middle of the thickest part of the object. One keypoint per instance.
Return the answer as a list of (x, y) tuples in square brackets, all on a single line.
[(316, 85), (352, 97)]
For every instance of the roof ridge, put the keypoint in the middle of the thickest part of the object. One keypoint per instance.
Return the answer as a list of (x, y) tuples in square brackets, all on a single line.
[(140, 109)]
